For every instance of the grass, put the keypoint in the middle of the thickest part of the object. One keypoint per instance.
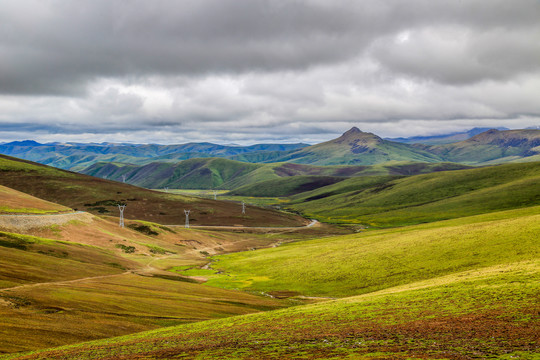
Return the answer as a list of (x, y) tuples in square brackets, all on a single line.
[(16, 202), (51, 314), (484, 313), (99, 196), (370, 261), (381, 202)]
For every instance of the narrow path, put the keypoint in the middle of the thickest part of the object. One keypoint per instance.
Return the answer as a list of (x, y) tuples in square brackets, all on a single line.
[(227, 227), (46, 214), (62, 282)]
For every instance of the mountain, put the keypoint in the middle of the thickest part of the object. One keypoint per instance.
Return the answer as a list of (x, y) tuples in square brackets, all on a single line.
[(77, 156), (356, 147), (444, 138), (492, 146), (100, 196)]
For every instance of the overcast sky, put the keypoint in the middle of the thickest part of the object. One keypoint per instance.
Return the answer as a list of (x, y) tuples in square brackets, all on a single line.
[(249, 71)]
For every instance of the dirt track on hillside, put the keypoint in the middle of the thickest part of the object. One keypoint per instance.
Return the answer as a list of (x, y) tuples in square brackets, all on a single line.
[(25, 222)]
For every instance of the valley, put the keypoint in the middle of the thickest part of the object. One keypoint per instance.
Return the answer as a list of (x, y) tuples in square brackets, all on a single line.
[(390, 260)]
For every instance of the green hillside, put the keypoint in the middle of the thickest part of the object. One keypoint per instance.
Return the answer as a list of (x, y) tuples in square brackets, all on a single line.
[(425, 289), (492, 146), (384, 258), (100, 196), (285, 186), (383, 202)]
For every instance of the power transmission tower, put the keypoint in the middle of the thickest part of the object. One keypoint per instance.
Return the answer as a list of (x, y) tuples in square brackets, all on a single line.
[(215, 194), (243, 207), (166, 189), (124, 178), (121, 208), (187, 218)]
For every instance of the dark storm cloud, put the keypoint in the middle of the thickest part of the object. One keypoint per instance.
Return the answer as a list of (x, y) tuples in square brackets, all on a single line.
[(56, 47)]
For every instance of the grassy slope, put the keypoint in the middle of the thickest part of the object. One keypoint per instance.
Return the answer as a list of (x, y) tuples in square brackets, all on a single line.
[(13, 201), (42, 315), (285, 186), (28, 259), (298, 178), (485, 313), (96, 195), (424, 198), (370, 261)]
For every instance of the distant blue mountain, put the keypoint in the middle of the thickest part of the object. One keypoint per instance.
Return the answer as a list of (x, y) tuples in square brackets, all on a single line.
[(444, 138), (77, 156)]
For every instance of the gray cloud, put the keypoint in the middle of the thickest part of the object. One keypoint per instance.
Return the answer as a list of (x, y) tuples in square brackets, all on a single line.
[(230, 69)]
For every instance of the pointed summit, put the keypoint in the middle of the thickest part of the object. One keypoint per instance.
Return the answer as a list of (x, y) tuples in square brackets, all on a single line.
[(352, 131)]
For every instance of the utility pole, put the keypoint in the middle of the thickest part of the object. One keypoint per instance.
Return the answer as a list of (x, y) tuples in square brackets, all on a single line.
[(121, 208), (243, 207), (187, 218)]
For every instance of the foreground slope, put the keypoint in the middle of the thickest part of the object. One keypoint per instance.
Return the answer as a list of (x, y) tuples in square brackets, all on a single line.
[(87, 278), (101, 196), (458, 289), (384, 201)]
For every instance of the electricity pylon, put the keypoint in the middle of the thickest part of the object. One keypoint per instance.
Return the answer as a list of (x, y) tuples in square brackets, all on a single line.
[(124, 178), (215, 194), (121, 208), (243, 207), (187, 218)]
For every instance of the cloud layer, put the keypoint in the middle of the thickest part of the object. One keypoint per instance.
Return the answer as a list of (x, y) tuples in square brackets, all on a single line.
[(252, 70)]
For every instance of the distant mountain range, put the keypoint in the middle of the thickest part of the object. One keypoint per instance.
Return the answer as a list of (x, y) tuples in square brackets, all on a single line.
[(209, 166), (444, 138), (77, 156)]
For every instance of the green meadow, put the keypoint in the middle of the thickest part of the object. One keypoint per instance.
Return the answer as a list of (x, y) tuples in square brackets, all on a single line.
[(484, 313), (373, 260)]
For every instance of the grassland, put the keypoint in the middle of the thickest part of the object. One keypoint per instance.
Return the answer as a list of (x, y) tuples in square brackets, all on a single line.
[(384, 202), (75, 282), (374, 260), (16, 202), (485, 313)]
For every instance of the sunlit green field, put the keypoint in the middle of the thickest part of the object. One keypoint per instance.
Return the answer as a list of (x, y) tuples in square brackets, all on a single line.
[(485, 313), (374, 260), (385, 202)]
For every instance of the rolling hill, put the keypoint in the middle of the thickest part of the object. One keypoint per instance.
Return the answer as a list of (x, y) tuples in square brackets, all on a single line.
[(100, 196), (218, 173), (492, 146), (435, 291), (386, 201)]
